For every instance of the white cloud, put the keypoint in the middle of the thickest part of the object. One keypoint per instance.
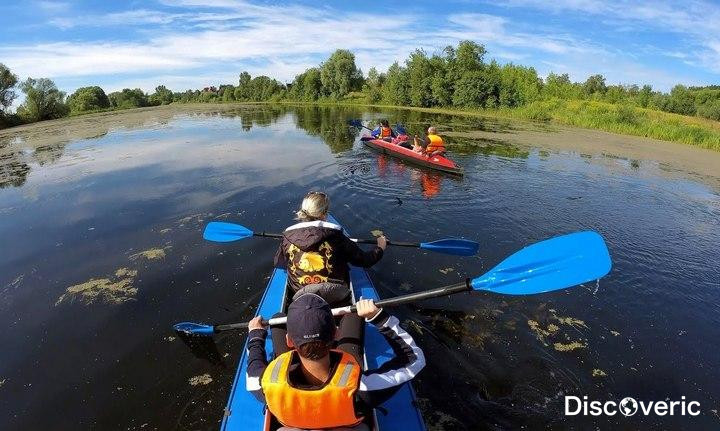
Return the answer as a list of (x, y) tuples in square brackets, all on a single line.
[(694, 20), (188, 42)]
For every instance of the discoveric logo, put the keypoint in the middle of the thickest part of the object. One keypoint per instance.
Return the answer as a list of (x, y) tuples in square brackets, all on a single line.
[(628, 406)]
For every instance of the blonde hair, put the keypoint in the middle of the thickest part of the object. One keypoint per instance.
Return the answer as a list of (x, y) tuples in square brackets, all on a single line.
[(315, 206), (432, 130)]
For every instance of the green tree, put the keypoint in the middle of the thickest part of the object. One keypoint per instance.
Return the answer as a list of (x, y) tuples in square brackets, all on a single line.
[(311, 84), (43, 100), (395, 89), (559, 86), (88, 99), (243, 91), (472, 90), (339, 74), (127, 98), (681, 101), (519, 85), (644, 96), (8, 80), (161, 96), (710, 110), (595, 84), (373, 85), (420, 76)]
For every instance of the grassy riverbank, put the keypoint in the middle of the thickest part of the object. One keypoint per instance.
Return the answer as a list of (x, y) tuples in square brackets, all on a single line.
[(608, 117)]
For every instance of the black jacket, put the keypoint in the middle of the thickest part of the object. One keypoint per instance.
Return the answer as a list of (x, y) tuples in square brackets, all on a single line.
[(319, 252)]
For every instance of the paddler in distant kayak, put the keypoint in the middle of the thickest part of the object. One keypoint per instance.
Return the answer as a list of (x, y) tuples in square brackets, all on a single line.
[(316, 253), (432, 144), (316, 386), (384, 132)]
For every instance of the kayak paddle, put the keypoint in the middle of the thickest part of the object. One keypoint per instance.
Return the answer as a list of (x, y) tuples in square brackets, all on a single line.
[(218, 231), (358, 124), (553, 264)]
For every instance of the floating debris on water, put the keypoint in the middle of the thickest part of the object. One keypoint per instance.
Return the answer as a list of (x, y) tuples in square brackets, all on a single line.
[(376, 233), (436, 420), (566, 347), (203, 379), (405, 286), (170, 338), (577, 323), (615, 333), (164, 231), (541, 333), (446, 270), (597, 372), (2, 382), (151, 254), (114, 290), (411, 324)]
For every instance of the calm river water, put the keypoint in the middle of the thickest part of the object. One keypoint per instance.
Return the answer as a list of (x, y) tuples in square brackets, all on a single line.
[(102, 253)]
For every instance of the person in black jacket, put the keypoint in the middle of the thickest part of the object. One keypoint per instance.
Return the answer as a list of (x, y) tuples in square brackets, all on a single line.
[(300, 384), (316, 253)]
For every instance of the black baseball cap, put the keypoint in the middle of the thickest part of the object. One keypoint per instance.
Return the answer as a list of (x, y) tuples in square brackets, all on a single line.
[(309, 318)]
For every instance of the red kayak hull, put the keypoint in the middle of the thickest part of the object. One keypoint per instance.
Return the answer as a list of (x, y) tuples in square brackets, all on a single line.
[(439, 163)]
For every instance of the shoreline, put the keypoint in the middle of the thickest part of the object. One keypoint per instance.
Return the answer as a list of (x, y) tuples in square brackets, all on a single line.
[(699, 164)]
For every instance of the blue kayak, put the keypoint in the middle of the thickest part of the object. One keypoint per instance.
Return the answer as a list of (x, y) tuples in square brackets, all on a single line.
[(245, 413)]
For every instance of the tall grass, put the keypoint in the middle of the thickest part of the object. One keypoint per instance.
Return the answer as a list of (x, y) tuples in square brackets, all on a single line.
[(625, 119)]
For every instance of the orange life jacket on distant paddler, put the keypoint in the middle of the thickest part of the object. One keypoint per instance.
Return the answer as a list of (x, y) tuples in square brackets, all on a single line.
[(331, 406), (385, 132), (436, 144)]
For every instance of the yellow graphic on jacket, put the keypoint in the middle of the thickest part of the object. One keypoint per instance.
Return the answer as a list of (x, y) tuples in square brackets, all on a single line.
[(310, 267), (311, 262)]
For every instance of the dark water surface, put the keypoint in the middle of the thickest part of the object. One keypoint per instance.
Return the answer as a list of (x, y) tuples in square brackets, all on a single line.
[(119, 217)]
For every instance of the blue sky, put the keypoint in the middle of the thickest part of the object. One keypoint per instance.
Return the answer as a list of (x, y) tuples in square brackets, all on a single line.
[(192, 43)]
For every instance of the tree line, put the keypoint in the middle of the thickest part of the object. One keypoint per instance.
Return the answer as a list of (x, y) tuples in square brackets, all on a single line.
[(458, 76)]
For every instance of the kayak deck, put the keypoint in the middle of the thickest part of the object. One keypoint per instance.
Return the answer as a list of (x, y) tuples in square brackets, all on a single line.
[(435, 162), (244, 412)]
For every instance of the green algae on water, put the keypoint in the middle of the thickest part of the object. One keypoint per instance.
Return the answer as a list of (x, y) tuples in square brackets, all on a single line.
[(566, 347), (151, 254), (203, 379), (116, 289)]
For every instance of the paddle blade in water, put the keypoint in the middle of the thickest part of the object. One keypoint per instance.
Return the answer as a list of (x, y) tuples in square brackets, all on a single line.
[(190, 328), (456, 247), (553, 264), (367, 138), (225, 232)]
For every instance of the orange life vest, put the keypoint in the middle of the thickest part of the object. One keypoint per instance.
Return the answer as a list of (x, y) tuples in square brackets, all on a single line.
[(328, 407), (436, 144), (385, 132)]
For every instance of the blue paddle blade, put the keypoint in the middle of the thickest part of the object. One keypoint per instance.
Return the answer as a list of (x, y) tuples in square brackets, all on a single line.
[(400, 129), (453, 246), (191, 328), (225, 232), (553, 264)]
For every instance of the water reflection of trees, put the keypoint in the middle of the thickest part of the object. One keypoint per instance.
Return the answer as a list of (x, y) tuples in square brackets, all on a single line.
[(329, 123), (15, 162)]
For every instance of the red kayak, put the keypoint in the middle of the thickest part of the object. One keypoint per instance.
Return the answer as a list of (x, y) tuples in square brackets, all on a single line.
[(435, 162)]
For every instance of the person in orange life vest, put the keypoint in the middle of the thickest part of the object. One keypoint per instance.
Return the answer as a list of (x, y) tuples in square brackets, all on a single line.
[(316, 386), (432, 145), (384, 131)]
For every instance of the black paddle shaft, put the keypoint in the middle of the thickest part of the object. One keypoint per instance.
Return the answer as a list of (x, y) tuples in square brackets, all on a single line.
[(390, 302), (419, 296), (359, 241)]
